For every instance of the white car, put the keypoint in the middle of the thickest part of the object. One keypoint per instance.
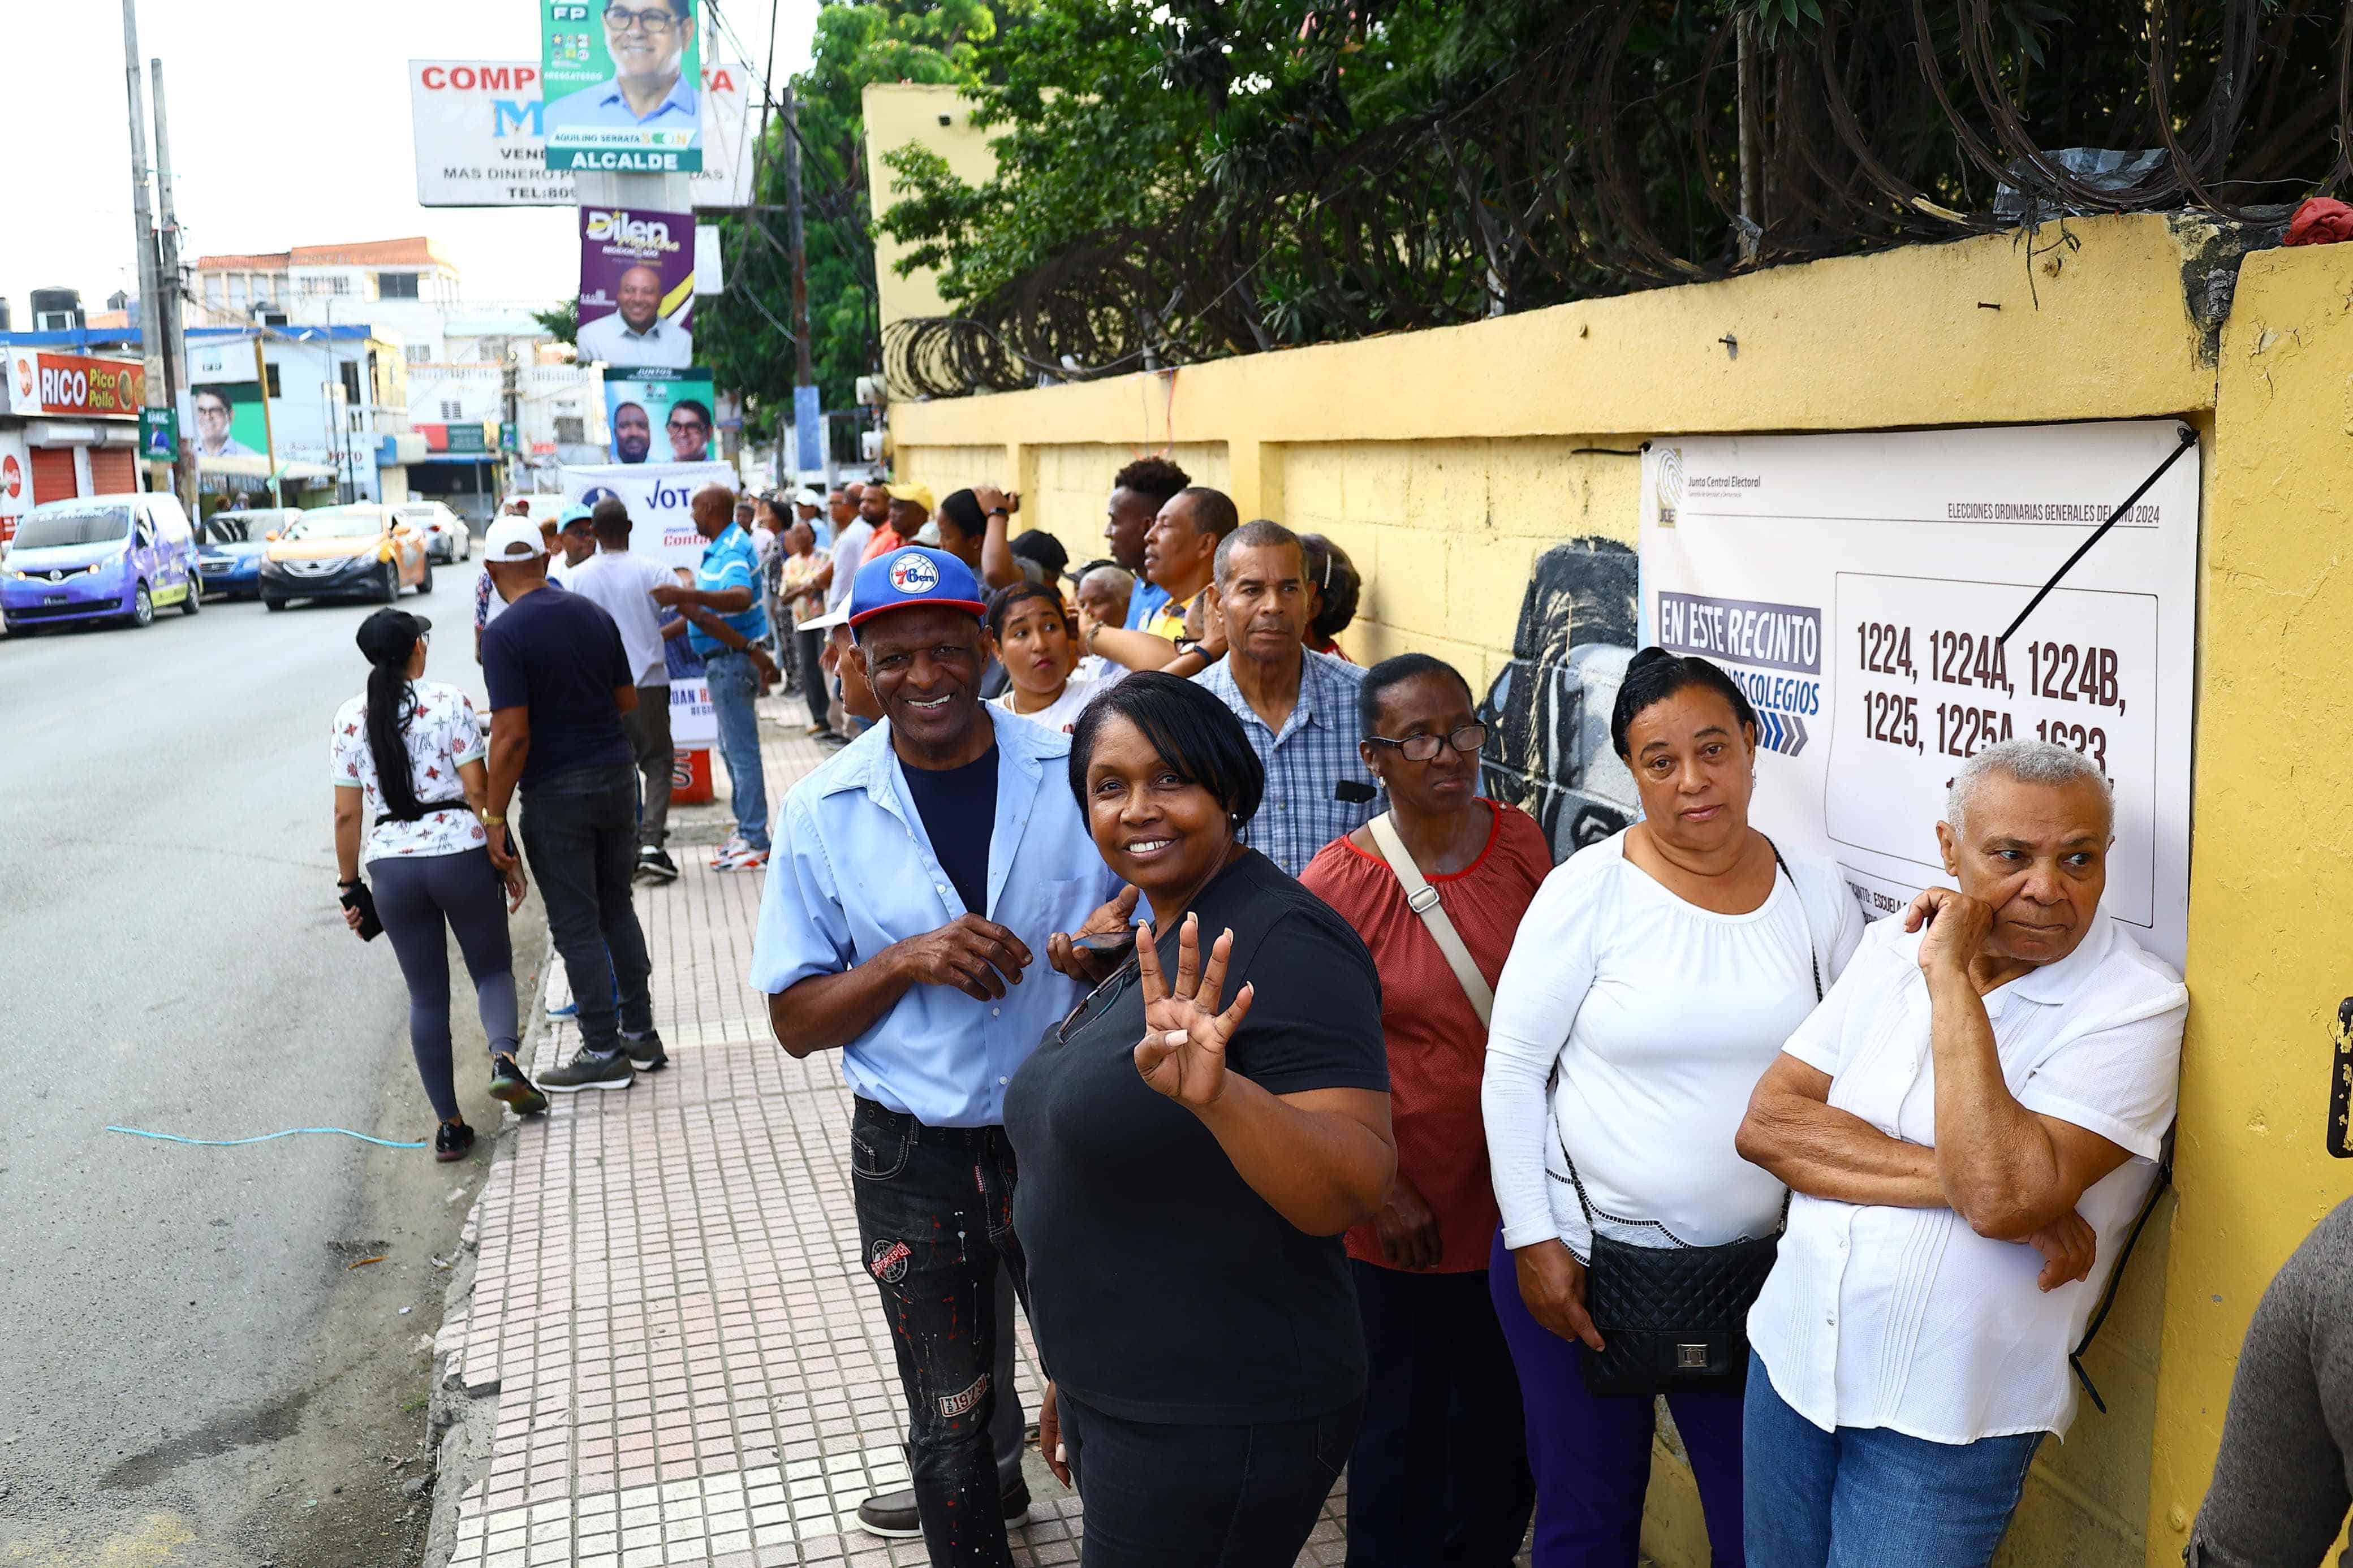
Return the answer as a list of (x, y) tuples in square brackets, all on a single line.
[(447, 537)]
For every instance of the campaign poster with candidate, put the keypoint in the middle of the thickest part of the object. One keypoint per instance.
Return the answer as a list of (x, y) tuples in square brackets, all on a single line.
[(636, 287), (231, 419), (622, 85), (660, 416)]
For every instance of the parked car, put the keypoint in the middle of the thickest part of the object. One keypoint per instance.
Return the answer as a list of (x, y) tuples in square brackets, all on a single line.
[(346, 551), (119, 557), (447, 537), (229, 546)]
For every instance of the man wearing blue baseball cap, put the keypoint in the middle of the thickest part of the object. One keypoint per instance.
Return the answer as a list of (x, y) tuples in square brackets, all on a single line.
[(576, 542), (920, 872)]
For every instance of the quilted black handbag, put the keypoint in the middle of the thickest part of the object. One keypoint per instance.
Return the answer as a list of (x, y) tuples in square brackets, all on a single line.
[(1674, 1318)]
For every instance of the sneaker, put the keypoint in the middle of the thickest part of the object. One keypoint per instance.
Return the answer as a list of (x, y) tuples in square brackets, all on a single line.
[(455, 1141), (656, 866), (509, 1085), (733, 847), (833, 738), (745, 859), (564, 1009), (892, 1515), (644, 1052), (814, 731), (589, 1070)]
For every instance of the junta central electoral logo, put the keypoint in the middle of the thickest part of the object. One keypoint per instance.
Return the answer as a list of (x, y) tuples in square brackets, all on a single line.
[(912, 573)]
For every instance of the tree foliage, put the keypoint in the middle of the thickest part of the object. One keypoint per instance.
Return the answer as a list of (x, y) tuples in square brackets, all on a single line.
[(745, 334)]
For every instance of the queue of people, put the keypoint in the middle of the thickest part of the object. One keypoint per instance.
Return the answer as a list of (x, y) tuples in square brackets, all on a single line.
[(1196, 1005), (1316, 1119)]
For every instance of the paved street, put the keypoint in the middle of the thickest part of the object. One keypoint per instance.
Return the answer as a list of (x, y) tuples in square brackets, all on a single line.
[(211, 1383)]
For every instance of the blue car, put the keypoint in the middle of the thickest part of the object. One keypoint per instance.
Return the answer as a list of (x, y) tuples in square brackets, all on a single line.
[(118, 557), (229, 547)]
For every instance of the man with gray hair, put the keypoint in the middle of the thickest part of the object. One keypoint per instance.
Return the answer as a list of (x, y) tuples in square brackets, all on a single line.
[(1298, 707), (1969, 1124)]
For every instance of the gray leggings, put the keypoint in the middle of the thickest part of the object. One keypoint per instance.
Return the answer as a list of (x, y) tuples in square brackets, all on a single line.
[(421, 898)]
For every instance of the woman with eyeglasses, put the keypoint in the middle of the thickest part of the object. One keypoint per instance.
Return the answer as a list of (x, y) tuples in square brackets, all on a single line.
[(1654, 981), (1439, 1473), (410, 785), (1193, 1140)]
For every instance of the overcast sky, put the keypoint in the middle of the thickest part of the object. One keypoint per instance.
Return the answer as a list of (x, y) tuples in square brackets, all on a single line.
[(289, 126)]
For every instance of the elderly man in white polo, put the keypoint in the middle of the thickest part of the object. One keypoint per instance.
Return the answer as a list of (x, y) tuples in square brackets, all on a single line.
[(1969, 1123)]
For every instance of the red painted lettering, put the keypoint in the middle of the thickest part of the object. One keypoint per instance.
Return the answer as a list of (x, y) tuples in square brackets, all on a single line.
[(435, 79), (718, 80), (462, 78)]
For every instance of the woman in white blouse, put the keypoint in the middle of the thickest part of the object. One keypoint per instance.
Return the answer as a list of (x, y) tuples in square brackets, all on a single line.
[(1651, 984)]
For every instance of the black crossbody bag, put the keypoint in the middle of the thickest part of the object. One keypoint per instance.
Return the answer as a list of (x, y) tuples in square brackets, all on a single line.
[(1674, 1318)]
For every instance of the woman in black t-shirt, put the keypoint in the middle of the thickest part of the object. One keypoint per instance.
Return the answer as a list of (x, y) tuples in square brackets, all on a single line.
[(1187, 1163)]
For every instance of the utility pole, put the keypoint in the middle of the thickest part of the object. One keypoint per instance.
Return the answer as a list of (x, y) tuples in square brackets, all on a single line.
[(167, 296), (808, 417), (142, 225)]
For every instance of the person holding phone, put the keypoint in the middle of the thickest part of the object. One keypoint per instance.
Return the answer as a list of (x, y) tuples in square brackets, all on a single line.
[(406, 760), (1193, 1139)]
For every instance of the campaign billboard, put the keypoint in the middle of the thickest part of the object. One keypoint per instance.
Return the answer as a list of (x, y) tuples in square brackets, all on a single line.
[(481, 139), (660, 415), (624, 84), (231, 420), (636, 287)]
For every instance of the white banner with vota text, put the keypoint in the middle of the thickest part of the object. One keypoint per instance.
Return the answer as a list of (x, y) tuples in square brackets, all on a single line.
[(1857, 586), (661, 526)]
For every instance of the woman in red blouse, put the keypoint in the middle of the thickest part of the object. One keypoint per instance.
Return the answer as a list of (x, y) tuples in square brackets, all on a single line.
[(1439, 1472)]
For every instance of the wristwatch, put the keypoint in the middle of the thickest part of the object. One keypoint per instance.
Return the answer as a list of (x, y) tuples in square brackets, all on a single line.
[(999, 511)]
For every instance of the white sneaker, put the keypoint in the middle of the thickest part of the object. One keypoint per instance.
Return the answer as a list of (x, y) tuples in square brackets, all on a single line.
[(745, 859), (727, 851)]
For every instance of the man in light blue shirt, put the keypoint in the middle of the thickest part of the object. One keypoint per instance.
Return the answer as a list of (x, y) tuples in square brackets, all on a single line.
[(726, 625), (923, 869), (645, 40)]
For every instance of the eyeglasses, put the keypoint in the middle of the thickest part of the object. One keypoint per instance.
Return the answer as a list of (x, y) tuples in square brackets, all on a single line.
[(1423, 748), (620, 20)]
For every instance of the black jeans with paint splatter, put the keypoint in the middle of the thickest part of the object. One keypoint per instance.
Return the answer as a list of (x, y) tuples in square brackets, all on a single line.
[(935, 1223)]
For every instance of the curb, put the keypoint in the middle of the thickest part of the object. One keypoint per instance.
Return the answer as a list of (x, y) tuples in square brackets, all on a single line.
[(459, 1424)]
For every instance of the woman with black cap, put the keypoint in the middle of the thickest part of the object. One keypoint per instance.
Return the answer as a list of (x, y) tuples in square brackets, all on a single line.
[(410, 782)]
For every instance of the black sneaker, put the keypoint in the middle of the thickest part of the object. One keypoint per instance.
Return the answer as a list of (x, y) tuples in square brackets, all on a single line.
[(589, 1070), (455, 1141), (654, 866), (646, 1053), (892, 1515), (508, 1084)]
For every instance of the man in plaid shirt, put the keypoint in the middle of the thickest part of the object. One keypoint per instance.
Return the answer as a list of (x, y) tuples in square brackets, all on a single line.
[(1298, 707)]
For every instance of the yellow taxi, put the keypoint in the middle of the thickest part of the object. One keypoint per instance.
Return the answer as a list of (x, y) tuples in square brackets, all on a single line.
[(365, 550)]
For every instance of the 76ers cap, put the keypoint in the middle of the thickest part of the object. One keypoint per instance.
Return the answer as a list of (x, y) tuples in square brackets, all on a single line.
[(911, 576)]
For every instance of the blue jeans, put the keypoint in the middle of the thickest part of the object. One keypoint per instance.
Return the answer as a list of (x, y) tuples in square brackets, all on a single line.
[(734, 688), (1868, 1498)]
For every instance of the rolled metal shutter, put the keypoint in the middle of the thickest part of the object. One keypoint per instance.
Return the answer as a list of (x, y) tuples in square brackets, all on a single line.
[(112, 471), (53, 474)]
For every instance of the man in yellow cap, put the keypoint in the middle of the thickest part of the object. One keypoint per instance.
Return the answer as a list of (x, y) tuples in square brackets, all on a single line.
[(903, 510)]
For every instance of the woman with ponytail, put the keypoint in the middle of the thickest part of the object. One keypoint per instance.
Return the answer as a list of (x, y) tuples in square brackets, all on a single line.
[(410, 786)]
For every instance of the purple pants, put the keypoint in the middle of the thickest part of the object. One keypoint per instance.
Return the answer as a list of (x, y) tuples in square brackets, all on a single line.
[(1591, 1456)]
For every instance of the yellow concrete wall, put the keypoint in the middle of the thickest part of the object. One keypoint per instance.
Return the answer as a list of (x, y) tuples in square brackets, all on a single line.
[(2270, 957), (896, 113), (1446, 461)]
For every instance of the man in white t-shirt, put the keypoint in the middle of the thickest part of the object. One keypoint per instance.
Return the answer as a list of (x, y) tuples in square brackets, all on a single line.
[(1970, 1122), (621, 583)]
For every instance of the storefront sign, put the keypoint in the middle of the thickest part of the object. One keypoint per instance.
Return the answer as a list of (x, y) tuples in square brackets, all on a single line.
[(481, 141), (1857, 586), (623, 91), (75, 383)]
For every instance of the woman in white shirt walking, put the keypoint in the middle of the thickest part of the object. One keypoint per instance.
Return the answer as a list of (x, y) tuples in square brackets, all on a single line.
[(409, 784), (1652, 983)]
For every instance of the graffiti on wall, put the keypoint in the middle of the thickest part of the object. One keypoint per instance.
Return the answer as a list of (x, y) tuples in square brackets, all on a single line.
[(1548, 715)]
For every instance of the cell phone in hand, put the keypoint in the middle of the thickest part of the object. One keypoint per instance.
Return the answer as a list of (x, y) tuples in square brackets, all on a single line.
[(361, 899), (1107, 945)]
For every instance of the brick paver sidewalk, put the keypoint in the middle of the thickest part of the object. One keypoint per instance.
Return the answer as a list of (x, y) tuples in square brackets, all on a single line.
[(687, 1361)]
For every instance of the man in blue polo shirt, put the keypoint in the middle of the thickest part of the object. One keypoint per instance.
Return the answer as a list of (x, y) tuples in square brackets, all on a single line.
[(724, 621), (924, 867)]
